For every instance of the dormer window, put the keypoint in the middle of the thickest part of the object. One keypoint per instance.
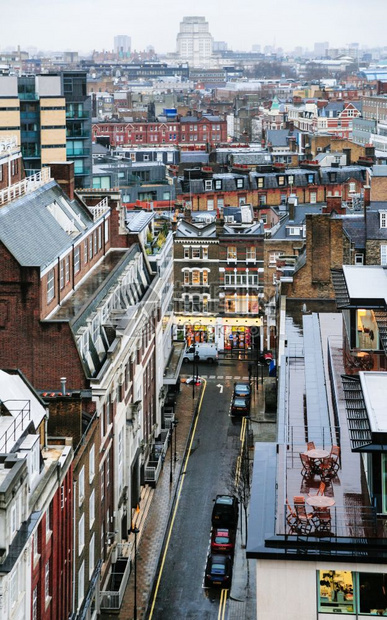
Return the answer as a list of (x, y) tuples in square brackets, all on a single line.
[(239, 183), (218, 184), (208, 185), (383, 219)]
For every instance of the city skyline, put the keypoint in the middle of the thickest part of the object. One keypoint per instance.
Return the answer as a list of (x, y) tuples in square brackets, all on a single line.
[(280, 24)]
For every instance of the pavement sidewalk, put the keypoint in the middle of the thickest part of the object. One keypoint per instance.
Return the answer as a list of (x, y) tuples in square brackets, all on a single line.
[(154, 529)]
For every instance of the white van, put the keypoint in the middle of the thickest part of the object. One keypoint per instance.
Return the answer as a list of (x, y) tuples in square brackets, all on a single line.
[(207, 353)]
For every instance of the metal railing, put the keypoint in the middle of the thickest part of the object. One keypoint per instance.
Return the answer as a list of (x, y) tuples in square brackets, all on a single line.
[(17, 423), (112, 599), (152, 471), (99, 209), (29, 184), (351, 522)]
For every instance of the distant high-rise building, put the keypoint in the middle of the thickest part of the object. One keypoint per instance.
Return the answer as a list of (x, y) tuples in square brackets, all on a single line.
[(122, 44), (194, 41), (256, 48), (219, 46), (320, 49)]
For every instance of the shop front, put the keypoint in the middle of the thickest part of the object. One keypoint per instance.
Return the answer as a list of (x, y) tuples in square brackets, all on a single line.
[(240, 334)]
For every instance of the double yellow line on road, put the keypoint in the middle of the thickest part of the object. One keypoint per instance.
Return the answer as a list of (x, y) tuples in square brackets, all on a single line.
[(222, 604), (184, 469)]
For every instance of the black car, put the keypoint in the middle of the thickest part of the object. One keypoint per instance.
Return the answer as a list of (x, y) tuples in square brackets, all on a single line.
[(240, 406), (243, 389), (225, 511), (218, 571)]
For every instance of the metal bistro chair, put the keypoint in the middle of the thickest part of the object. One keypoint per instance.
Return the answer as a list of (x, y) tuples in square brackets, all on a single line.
[(324, 520), (335, 456), (320, 490), (291, 517), (327, 469), (304, 522), (308, 469)]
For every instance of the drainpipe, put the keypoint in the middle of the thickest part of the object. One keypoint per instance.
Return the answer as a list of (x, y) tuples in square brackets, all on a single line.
[(73, 545), (63, 385)]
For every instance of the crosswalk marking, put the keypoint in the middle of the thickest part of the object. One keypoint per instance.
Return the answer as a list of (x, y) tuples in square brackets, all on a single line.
[(218, 377)]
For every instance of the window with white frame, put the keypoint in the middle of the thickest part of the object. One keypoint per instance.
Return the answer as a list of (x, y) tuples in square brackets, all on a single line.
[(91, 509), (205, 276), (383, 255), (195, 277), (81, 533), (186, 253), (77, 259), (383, 219), (196, 251), (61, 275), (99, 237), (210, 204), (91, 555), (81, 485), (208, 185), (261, 182), (120, 459), (81, 584), (90, 246), (239, 183), (50, 285), (204, 252), (186, 277), (106, 231), (273, 257), (250, 253), (359, 259), (47, 581), (92, 463), (48, 523), (231, 252), (14, 587), (85, 252), (35, 604)]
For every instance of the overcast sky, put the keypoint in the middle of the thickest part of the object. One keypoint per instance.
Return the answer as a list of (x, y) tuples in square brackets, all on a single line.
[(85, 25)]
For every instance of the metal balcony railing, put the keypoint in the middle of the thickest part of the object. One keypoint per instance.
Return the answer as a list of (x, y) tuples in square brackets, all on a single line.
[(29, 184), (112, 599)]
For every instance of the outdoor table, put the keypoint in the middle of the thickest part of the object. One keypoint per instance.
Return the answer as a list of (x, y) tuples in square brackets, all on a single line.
[(320, 501), (317, 453)]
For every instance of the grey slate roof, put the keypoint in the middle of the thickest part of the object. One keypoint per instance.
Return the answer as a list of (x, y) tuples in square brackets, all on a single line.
[(31, 233), (354, 227), (194, 156), (136, 221), (300, 213), (187, 230), (279, 137), (373, 226)]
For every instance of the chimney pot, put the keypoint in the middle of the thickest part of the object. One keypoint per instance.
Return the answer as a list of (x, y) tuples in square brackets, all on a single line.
[(63, 385)]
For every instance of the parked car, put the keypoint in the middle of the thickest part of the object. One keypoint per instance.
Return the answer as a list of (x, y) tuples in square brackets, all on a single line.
[(225, 511), (223, 540), (242, 388), (240, 406), (218, 571), (203, 352)]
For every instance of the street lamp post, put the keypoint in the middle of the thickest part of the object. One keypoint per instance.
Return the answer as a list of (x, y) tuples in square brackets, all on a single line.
[(134, 530), (171, 448), (175, 423)]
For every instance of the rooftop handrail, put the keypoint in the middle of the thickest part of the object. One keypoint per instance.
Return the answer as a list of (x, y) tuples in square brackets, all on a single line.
[(27, 185), (348, 522), (15, 422)]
